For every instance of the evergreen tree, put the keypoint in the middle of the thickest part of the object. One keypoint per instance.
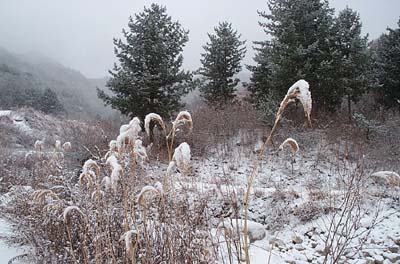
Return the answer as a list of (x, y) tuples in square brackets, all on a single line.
[(352, 58), (302, 47), (49, 103), (388, 67), (221, 61), (149, 76)]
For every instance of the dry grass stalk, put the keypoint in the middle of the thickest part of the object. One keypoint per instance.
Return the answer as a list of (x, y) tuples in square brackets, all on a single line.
[(300, 91), (40, 195), (141, 196)]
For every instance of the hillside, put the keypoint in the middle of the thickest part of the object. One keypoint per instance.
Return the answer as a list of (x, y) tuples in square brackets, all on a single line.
[(33, 71)]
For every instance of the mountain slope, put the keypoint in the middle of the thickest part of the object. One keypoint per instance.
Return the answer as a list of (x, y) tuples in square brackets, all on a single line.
[(33, 71)]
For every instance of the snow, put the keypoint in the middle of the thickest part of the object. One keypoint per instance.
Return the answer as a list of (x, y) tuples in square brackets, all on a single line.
[(6, 252), (18, 121), (5, 113)]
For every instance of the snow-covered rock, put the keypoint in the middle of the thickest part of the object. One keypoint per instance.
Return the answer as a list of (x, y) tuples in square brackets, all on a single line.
[(255, 231), (386, 178)]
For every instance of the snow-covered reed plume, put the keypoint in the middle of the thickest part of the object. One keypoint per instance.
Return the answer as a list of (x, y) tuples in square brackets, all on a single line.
[(40, 195), (113, 145), (87, 179), (129, 133), (69, 209), (57, 145), (146, 189), (299, 90), (39, 144), (67, 146), (97, 194), (291, 143), (90, 172), (91, 165), (113, 149), (116, 171), (159, 187), (106, 182), (152, 117), (183, 118), (182, 157), (140, 152), (130, 238)]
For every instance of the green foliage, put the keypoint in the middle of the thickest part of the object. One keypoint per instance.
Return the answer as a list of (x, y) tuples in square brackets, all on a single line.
[(17, 91), (148, 77), (369, 127), (48, 102), (302, 47), (221, 61), (387, 67), (351, 55), (309, 43)]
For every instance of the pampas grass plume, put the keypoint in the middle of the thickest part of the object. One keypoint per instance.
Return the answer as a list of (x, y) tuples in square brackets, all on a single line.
[(182, 118), (291, 143), (69, 209), (156, 119)]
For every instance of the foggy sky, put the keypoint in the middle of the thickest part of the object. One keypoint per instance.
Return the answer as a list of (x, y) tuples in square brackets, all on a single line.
[(79, 33)]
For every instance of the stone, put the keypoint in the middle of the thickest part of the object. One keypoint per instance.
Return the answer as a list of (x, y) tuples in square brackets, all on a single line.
[(378, 259), (393, 257), (276, 242), (394, 249), (296, 239), (299, 247)]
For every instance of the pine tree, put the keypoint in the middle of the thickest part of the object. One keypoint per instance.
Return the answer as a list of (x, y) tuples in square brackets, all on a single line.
[(149, 77), (351, 57), (301, 48), (221, 61), (388, 67), (49, 103)]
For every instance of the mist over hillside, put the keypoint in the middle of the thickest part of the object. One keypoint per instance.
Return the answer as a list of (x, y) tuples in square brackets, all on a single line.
[(34, 71)]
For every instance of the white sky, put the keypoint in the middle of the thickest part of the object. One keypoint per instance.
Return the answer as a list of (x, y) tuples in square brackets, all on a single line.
[(78, 33)]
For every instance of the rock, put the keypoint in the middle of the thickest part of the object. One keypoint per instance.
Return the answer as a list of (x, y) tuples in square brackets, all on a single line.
[(368, 252), (390, 178), (314, 244), (396, 240), (366, 222), (378, 259), (321, 249), (394, 249), (276, 242), (299, 247), (296, 239), (393, 257), (255, 231), (370, 260)]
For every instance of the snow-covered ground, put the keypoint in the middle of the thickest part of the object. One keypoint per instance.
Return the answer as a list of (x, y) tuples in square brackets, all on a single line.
[(291, 202), (7, 252)]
